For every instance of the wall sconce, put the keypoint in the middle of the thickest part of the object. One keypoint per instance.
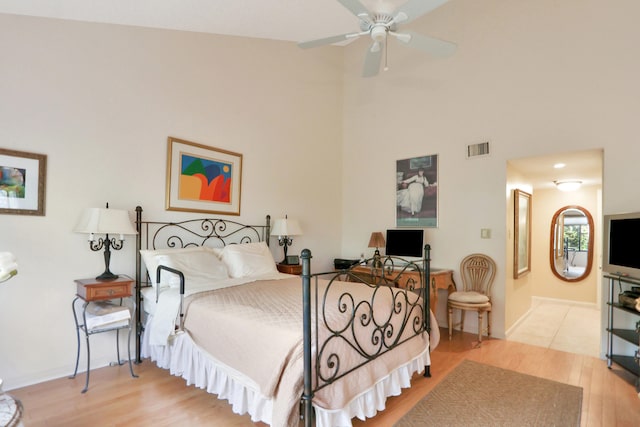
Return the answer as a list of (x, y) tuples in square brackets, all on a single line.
[(568, 185), (284, 228), (376, 241), (105, 221), (8, 267)]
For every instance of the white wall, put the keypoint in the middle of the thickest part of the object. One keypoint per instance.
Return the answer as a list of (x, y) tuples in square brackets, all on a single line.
[(531, 77), (100, 102)]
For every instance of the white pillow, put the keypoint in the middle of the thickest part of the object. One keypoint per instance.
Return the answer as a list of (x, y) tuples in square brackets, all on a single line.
[(201, 267), (248, 259), (149, 258), (217, 251)]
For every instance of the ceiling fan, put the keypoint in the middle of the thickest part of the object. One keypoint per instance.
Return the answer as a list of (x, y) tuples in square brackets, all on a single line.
[(379, 26)]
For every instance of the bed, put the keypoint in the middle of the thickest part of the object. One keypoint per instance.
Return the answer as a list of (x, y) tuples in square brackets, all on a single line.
[(212, 308)]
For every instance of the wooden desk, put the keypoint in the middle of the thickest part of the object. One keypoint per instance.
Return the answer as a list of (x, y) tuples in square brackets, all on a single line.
[(439, 278)]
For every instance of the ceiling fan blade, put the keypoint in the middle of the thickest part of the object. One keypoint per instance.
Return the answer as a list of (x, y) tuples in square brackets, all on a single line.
[(327, 40), (372, 60), (355, 7), (430, 45), (413, 9)]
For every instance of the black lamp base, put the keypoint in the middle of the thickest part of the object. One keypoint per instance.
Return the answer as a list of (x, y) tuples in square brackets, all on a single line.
[(107, 276), (107, 243)]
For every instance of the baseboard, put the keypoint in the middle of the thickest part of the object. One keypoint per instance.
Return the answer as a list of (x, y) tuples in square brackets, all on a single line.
[(522, 318), (11, 383), (538, 300)]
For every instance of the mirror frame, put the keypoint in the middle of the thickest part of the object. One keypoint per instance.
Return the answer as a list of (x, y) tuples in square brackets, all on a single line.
[(552, 264), (521, 233)]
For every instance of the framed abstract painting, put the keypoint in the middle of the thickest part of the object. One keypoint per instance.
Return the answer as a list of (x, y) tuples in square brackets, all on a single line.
[(202, 178), (22, 182)]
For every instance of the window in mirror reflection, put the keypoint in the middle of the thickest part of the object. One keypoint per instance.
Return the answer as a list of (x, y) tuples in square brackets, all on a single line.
[(571, 243)]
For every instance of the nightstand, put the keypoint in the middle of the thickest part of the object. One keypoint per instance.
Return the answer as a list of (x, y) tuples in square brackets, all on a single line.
[(290, 268), (102, 310)]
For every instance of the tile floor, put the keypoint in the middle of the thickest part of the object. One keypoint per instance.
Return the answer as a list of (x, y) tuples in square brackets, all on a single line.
[(561, 326)]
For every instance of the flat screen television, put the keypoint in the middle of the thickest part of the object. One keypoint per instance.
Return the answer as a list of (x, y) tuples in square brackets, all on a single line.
[(621, 239), (405, 243)]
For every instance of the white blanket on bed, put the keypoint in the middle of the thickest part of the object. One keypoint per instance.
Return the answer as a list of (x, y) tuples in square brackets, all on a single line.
[(218, 318), (167, 308)]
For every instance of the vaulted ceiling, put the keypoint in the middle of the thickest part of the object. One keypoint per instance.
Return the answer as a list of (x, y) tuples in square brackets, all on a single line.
[(292, 20)]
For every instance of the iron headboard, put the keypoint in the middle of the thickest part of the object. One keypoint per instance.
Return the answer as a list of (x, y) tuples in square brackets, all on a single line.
[(213, 232)]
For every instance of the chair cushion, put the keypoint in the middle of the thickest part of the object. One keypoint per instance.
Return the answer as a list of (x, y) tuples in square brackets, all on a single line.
[(469, 297)]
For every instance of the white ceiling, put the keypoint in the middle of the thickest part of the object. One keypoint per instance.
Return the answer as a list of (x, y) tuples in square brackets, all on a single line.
[(292, 20), (289, 20), (585, 166)]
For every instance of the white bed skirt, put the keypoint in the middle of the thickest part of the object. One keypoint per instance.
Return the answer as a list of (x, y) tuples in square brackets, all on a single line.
[(185, 359)]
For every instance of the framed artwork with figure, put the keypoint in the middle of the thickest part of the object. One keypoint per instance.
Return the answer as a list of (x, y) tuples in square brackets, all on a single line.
[(202, 178), (417, 192)]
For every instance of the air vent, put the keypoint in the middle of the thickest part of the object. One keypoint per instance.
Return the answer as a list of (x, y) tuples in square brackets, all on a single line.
[(478, 150)]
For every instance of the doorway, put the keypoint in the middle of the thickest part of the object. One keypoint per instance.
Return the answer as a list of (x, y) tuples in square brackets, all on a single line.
[(543, 305)]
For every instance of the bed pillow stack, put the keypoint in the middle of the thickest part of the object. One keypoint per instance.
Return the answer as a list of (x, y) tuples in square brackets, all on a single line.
[(201, 264), (199, 268), (248, 259), (198, 264)]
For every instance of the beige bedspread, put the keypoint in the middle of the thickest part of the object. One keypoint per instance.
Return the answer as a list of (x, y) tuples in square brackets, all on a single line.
[(256, 328)]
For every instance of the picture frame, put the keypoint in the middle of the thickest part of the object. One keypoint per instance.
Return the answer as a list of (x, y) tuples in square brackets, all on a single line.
[(22, 182), (417, 191), (292, 260), (522, 233), (202, 179)]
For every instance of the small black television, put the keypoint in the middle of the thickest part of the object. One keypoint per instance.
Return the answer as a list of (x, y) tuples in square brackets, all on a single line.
[(405, 243), (621, 238)]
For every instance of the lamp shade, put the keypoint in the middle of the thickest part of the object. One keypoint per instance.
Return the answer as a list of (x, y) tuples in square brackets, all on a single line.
[(376, 240), (104, 221), (286, 227)]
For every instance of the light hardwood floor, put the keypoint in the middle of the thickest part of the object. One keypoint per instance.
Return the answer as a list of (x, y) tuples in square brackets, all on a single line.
[(158, 399)]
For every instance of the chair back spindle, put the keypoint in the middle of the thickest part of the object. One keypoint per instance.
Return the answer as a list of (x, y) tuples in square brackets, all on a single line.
[(478, 272)]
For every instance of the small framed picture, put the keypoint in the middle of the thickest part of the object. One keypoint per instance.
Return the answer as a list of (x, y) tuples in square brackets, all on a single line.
[(202, 178), (292, 260), (22, 182)]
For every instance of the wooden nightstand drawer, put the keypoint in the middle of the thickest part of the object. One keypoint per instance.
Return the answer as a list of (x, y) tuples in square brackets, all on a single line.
[(94, 290), (290, 268)]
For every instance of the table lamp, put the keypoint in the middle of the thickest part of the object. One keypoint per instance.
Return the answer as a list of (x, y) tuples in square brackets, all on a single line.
[(105, 221), (284, 228), (376, 241)]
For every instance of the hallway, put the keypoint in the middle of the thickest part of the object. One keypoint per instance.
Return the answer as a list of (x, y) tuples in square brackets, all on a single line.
[(561, 326)]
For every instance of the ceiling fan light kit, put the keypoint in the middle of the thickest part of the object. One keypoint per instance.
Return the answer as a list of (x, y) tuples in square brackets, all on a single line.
[(379, 25)]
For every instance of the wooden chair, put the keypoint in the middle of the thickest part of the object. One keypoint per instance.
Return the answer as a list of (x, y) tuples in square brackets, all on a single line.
[(478, 272)]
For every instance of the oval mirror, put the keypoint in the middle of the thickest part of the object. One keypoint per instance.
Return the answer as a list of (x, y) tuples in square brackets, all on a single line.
[(571, 243)]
